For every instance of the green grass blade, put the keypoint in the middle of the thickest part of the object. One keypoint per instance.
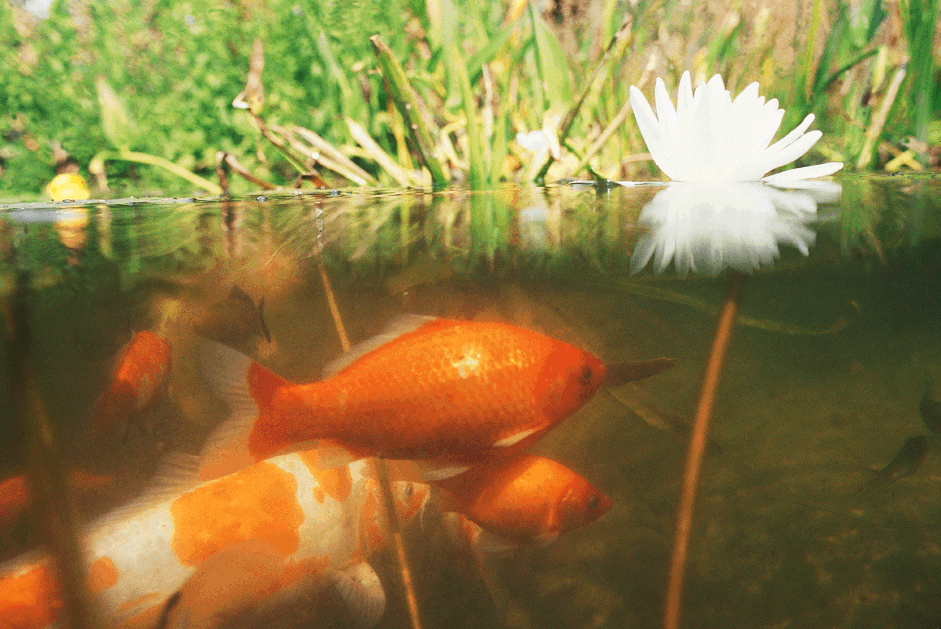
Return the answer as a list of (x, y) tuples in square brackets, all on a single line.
[(407, 104)]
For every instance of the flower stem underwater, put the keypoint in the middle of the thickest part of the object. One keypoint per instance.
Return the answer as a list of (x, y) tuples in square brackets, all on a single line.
[(380, 472), (697, 446)]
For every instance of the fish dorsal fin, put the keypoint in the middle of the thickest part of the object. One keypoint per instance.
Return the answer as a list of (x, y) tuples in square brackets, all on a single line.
[(362, 591), (226, 372), (440, 470), (403, 324), (176, 473)]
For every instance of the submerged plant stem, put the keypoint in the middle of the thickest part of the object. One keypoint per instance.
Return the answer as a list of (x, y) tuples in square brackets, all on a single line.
[(697, 446), (47, 479), (378, 467)]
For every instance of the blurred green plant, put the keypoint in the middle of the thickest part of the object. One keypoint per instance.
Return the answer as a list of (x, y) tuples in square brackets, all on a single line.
[(478, 74)]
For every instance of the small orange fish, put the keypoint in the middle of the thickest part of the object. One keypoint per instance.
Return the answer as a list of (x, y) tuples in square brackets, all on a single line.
[(526, 499), (140, 378), (15, 497), (426, 389)]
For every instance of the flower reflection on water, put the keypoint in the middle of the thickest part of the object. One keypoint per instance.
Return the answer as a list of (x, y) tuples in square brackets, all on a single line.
[(720, 211), (706, 228)]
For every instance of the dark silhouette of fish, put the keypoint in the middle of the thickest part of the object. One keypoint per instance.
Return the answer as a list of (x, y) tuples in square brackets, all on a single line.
[(906, 462), (930, 408), (234, 320)]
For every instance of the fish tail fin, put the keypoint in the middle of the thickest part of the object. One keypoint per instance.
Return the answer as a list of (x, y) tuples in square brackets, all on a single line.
[(361, 590), (248, 389)]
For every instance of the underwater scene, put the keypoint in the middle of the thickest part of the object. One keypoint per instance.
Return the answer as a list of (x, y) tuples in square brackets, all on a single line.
[(472, 408)]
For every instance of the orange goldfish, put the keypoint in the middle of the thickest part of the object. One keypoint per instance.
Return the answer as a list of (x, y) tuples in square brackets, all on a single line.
[(15, 497), (181, 550), (428, 389), (526, 499), (137, 383)]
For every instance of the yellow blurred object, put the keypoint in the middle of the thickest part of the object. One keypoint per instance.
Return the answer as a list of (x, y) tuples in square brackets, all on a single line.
[(67, 187)]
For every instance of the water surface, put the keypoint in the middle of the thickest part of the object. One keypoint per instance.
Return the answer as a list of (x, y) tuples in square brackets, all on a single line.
[(821, 387)]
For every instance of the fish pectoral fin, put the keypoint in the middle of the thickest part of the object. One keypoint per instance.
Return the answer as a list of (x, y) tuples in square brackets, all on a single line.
[(544, 539), (176, 472), (226, 449), (486, 542), (513, 439), (360, 588), (440, 470)]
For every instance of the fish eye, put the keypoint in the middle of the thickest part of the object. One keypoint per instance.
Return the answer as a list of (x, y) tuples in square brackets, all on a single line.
[(585, 377), (594, 502)]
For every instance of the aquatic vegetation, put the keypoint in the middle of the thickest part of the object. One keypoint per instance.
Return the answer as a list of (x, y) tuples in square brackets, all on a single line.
[(479, 76)]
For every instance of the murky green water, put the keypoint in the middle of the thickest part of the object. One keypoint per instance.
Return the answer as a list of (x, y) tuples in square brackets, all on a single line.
[(821, 386)]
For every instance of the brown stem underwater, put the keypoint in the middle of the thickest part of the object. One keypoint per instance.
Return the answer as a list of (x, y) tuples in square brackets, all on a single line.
[(684, 515)]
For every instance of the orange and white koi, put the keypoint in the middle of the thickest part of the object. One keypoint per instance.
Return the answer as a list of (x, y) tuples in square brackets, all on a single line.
[(296, 522), (425, 389), (525, 499), (140, 378)]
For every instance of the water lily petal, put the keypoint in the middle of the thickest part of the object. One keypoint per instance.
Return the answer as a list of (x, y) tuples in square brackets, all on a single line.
[(788, 177), (770, 160), (709, 137), (651, 131)]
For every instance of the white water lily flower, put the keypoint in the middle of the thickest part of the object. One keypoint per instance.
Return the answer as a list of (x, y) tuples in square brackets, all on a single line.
[(710, 138)]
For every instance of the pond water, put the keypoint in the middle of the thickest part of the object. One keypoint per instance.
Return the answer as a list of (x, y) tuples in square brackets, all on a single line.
[(794, 526)]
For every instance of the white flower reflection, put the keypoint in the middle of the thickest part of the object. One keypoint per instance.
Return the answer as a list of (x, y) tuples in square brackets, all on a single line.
[(711, 138), (705, 228)]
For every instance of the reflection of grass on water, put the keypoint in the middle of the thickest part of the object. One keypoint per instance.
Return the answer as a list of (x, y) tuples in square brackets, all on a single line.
[(480, 75)]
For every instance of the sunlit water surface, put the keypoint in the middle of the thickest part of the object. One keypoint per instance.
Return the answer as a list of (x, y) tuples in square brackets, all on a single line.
[(821, 386)]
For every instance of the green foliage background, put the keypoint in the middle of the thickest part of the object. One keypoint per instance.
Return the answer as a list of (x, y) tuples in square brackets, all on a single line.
[(483, 72)]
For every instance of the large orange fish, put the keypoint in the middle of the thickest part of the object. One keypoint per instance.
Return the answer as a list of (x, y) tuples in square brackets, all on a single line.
[(526, 499), (284, 520), (428, 389), (139, 379)]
